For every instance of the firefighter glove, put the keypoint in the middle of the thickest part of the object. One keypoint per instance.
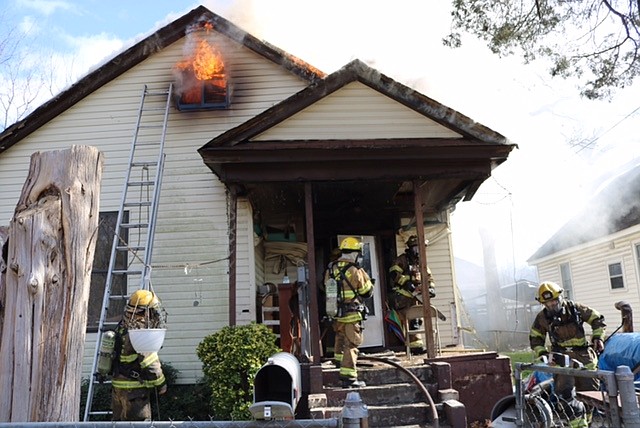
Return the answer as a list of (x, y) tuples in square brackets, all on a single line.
[(410, 286), (598, 345)]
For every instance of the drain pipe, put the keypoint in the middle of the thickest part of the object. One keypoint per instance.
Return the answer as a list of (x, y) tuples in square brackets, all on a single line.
[(436, 423)]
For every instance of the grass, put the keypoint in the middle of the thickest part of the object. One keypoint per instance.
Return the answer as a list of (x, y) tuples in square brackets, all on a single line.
[(519, 357)]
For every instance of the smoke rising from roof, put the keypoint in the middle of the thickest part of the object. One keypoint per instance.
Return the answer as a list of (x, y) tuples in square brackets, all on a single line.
[(544, 183)]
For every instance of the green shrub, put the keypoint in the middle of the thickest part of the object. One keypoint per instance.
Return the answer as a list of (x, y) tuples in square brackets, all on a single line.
[(231, 358)]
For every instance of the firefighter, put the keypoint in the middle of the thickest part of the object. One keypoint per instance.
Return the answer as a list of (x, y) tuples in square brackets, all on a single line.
[(407, 288), (562, 320), (354, 285), (136, 375)]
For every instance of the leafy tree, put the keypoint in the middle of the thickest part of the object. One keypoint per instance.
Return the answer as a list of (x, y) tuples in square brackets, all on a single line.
[(27, 73), (596, 41)]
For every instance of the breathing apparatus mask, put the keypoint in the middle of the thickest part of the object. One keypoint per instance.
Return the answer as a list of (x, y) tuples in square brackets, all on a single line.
[(554, 306)]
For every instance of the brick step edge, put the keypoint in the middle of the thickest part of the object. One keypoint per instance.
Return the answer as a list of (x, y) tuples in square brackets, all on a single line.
[(391, 415)]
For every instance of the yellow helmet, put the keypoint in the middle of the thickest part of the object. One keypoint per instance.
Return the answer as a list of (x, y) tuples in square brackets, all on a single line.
[(350, 244), (548, 291), (143, 298)]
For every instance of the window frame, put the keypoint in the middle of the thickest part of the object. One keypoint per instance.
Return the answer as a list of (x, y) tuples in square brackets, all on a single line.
[(100, 269), (619, 276)]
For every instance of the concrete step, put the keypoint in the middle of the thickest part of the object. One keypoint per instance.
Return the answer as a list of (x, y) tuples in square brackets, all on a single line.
[(378, 394), (390, 415), (382, 375)]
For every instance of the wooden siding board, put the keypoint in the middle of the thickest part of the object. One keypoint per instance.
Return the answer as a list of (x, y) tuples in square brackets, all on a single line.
[(356, 112)]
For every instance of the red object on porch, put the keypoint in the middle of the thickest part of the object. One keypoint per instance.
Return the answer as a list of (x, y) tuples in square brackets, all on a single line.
[(285, 293)]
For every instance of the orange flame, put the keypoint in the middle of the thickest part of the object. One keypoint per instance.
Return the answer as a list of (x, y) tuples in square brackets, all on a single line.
[(206, 62)]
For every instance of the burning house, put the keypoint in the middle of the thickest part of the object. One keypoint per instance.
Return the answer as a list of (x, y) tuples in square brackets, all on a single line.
[(269, 162)]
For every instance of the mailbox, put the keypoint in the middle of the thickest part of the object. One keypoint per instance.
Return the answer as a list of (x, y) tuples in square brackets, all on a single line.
[(277, 388)]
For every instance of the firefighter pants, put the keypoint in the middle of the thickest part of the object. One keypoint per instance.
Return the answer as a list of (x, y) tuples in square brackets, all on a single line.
[(566, 387), (131, 404), (348, 338)]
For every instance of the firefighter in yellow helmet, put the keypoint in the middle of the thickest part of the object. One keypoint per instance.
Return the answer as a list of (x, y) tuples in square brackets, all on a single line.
[(354, 285), (136, 375), (407, 287), (562, 320)]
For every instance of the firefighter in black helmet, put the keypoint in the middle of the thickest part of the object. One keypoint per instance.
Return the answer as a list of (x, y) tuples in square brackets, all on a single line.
[(407, 287), (136, 375), (562, 320)]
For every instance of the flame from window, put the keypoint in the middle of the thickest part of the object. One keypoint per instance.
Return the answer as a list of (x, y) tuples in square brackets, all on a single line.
[(206, 62), (200, 76)]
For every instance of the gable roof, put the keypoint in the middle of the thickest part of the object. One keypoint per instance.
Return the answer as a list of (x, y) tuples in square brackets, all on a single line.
[(381, 173), (358, 71), (615, 208), (137, 53), (459, 164)]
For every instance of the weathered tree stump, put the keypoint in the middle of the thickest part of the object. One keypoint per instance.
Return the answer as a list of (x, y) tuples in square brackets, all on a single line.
[(46, 286)]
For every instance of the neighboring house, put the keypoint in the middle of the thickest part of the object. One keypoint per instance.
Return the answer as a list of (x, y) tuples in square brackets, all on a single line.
[(265, 176), (595, 257)]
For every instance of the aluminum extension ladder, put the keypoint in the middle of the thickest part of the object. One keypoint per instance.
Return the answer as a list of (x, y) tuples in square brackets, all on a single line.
[(135, 225)]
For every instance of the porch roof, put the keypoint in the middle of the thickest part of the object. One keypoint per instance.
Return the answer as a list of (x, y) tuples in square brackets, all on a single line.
[(377, 172)]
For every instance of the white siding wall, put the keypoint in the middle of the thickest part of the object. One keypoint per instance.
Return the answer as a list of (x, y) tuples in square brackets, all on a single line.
[(191, 246), (245, 267), (440, 261), (358, 112), (589, 271)]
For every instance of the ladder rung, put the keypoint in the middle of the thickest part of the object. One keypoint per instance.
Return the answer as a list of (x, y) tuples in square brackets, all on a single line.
[(138, 204), (148, 144), (271, 322), (134, 225), (110, 323), (126, 272), (148, 92), (154, 109), (140, 183), (150, 126), (270, 309), (144, 163), (130, 248), (103, 412)]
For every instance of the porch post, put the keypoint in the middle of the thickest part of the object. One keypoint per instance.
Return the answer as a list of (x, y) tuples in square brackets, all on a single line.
[(313, 286), (426, 299)]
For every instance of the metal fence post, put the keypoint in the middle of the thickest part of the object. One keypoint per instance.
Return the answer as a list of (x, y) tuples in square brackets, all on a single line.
[(519, 393), (630, 411)]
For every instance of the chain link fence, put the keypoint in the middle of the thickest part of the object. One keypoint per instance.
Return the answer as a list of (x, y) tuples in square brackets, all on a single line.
[(319, 423), (614, 405)]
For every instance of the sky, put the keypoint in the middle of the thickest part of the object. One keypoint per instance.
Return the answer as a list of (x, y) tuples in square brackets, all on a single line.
[(540, 187)]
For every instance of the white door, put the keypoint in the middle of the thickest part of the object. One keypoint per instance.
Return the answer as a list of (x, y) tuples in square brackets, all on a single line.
[(374, 325)]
